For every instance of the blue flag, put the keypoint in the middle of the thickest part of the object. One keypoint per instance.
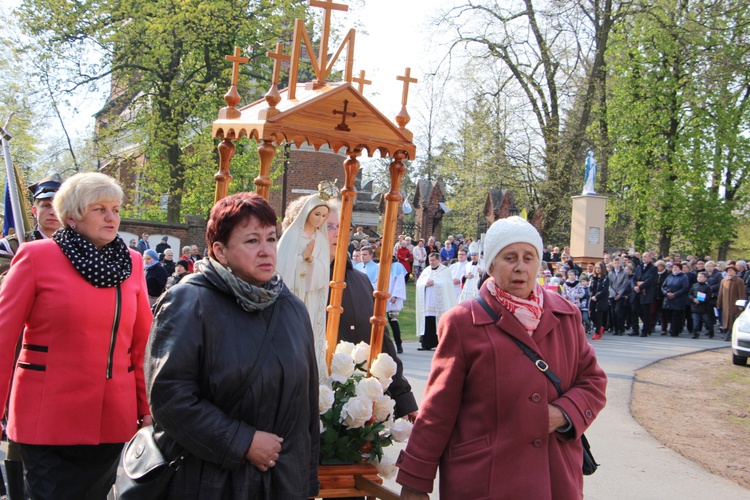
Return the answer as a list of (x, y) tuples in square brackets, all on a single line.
[(8, 215)]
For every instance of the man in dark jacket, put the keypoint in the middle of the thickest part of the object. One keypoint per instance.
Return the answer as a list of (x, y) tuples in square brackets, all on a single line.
[(700, 295), (645, 293), (354, 326)]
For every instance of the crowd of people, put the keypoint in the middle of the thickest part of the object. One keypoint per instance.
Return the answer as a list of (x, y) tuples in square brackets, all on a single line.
[(129, 336), (637, 292)]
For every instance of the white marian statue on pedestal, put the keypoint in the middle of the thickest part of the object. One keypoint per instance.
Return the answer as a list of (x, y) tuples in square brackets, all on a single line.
[(590, 175)]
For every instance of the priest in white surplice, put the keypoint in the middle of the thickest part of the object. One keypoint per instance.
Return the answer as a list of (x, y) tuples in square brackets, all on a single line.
[(473, 274), (435, 295), (459, 270)]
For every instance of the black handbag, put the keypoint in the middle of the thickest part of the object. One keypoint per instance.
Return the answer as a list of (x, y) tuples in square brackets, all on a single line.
[(146, 471), (589, 464)]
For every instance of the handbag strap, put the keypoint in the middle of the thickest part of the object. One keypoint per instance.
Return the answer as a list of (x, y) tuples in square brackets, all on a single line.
[(533, 356)]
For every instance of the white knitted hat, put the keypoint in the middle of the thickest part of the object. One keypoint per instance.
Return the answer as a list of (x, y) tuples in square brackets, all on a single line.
[(507, 231)]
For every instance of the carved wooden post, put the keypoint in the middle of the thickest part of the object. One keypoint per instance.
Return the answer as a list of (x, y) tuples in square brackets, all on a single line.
[(393, 198), (351, 166), (223, 177), (263, 182)]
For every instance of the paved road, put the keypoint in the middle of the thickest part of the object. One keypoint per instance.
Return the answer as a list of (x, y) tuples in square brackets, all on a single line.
[(634, 464)]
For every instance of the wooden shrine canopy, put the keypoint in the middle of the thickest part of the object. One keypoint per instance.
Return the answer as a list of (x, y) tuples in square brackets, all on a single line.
[(321, 113)]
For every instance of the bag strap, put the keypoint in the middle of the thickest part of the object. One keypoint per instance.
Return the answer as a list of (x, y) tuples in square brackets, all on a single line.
[(533, 356)]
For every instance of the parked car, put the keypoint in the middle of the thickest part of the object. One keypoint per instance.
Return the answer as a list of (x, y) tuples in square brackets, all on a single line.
[(741, 336)]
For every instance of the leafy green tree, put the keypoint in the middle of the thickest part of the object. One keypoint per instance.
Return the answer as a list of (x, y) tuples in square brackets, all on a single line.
[(678, 117), (166, 62)]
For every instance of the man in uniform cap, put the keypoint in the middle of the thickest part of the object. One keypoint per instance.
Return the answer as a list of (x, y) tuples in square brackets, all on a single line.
[(47, 222)]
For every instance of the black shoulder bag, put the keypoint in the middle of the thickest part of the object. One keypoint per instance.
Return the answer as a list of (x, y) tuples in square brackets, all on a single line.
[(589, 463), (146, 471)]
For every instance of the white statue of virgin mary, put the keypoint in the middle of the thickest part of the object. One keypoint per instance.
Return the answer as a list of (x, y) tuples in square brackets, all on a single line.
[(590, 175), (304, 263)]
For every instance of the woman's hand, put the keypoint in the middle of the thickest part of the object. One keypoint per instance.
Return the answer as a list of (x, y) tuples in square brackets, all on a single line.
[(411, 417), (556, 418), (145, 421), (410, 494), (264, 450)]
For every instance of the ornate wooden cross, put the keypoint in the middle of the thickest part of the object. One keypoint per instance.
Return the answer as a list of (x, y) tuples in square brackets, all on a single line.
[(343, 126), (236, 61), (277, 57), (361, 81), (328, 6), (407, 79)]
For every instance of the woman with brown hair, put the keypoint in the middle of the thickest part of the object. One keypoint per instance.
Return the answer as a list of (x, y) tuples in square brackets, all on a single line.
[(246, 436)]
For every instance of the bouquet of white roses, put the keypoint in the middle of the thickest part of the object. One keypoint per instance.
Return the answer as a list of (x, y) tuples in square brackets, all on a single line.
[(356, 415)]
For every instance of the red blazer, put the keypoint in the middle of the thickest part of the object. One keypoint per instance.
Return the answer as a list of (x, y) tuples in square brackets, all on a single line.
[(61, 394), (484, 416)]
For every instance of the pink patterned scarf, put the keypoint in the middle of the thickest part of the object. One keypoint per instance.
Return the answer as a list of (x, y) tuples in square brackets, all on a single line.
[(527, 311)]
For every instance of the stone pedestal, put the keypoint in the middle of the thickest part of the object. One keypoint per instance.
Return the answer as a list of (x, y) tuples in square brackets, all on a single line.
[(587, 228)]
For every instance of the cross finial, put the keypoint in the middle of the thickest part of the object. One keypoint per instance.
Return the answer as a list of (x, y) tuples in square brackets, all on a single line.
[(236, 61), (361, 81), (407, 79), (277, 57), (328, 6)]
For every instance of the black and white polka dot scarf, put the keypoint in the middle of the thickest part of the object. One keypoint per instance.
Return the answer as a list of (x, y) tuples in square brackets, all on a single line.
[(103, 268)]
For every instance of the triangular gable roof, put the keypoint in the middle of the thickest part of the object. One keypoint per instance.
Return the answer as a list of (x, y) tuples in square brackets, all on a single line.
[(316, 116), (424, 191)]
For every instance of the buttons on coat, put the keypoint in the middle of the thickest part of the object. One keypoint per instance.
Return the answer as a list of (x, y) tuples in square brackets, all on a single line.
[(589, 414), (537, 443), (536, 397)]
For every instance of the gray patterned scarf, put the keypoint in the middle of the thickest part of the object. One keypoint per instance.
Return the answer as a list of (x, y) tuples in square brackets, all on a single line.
[(251, 298)]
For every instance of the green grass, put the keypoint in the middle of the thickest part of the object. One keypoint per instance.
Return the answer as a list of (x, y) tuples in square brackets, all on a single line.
[(407, 319)]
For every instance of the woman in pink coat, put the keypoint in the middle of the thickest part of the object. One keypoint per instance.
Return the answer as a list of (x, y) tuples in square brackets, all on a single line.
[(490, 419), (80, 299)]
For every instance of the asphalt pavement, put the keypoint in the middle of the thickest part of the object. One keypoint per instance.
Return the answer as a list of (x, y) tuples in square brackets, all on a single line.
[(634, 465)]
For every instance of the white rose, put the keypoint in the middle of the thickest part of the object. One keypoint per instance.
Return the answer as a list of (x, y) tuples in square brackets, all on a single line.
[(322, 427), (370, 388), (361, 354), (401, 430), (386, 467), (342, 367), (325, 399), (383, 367), (385, 383), (345, 348), (356, 412), (387, 425), (383, 408)]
